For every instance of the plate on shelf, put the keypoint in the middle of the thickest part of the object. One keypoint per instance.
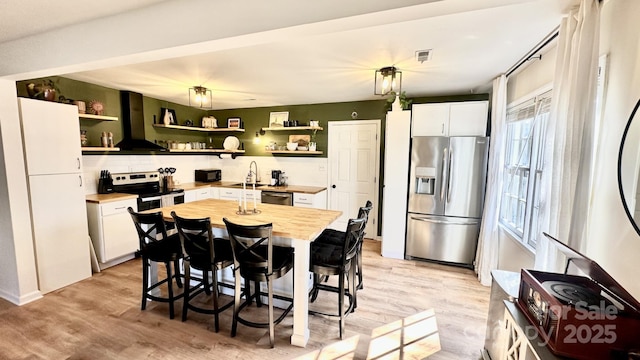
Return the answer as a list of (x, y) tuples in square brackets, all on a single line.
[(231, 143)]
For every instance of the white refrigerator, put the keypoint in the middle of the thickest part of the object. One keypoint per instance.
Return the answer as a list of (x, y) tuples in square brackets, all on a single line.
[(51, 138)]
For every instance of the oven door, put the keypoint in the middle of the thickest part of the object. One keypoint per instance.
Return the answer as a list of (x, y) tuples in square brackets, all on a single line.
[(148, 203)]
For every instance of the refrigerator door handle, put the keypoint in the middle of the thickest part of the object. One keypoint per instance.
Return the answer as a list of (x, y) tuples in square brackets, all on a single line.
[(445, 221), (449, 175), (444, 178)]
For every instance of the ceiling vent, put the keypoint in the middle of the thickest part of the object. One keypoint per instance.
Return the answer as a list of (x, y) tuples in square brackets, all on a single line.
[(423, 55)]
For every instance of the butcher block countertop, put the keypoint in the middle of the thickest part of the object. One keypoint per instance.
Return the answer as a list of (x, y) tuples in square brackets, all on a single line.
[(263, 187), (289, 222), (105, 198)]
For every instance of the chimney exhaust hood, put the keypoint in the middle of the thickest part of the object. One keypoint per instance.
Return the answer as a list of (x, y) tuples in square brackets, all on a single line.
[(133, 124)]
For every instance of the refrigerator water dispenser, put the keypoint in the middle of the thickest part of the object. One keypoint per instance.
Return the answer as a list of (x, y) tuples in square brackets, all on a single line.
[(425, 180)]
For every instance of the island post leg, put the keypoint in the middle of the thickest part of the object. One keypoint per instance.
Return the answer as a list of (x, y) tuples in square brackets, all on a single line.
[(300, 335)]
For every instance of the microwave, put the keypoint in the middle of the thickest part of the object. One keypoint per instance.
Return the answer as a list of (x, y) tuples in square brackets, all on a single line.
[(208, 175)]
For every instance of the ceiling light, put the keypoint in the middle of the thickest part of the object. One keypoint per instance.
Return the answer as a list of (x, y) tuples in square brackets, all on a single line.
[(388, 79), (200, 96)]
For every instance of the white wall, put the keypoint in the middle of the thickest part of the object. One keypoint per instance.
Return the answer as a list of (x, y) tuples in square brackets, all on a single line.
[(537, 74), (612, 241), (300, 170)]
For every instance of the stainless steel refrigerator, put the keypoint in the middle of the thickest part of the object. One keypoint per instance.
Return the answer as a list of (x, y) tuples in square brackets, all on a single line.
[(447, 180)]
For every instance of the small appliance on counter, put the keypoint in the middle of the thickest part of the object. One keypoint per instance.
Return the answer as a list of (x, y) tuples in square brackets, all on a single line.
[(105, 182), (278, 178), (208, 175)]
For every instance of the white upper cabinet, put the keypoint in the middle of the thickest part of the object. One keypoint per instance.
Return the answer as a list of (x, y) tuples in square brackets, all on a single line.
[(450, 119), (468, 118), (51, 136), (430, 119)]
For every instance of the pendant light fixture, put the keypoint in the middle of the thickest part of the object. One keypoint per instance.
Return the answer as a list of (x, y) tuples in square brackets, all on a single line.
[(388, 79), (200, 96)]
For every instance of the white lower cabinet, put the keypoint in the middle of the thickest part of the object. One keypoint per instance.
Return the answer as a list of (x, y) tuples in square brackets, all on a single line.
[(214, 192), (316, 201), (235, 194), (112, 230), (189, 196), (197, 194)]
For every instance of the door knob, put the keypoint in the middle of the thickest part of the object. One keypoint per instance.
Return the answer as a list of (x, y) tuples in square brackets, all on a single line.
[(333, 186)]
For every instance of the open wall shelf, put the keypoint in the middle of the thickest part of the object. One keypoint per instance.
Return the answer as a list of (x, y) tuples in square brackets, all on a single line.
[(194, 128)]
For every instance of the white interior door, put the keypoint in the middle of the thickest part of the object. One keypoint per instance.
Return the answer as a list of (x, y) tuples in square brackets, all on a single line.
[(353, 170)]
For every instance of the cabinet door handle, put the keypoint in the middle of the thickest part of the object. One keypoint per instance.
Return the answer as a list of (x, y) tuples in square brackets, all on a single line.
[(78, 159), (120, 208), (80, 177), (442, 131)]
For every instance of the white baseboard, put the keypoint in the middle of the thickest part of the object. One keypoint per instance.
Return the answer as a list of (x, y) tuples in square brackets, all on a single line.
[(21, 299)]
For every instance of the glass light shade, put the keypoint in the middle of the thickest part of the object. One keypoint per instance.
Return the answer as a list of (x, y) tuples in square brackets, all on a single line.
[(201, 97), (388, 79)]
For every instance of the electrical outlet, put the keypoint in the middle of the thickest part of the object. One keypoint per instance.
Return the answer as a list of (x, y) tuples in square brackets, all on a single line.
[(322, 168)]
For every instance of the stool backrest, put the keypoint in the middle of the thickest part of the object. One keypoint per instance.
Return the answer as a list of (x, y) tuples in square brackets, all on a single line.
[(196, 236), (153, 225), (245, 239), (353, 235)]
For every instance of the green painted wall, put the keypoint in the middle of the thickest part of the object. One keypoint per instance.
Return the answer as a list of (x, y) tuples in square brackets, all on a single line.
[(253, 119)]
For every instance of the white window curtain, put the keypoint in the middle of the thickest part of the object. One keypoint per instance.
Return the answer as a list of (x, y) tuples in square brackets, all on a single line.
[(565, 194), (487, 253)]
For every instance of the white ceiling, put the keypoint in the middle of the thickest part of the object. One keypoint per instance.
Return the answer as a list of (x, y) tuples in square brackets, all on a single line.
[(471, 45)]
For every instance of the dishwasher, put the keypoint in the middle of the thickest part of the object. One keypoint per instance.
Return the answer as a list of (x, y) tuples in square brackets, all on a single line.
[(278, 198)]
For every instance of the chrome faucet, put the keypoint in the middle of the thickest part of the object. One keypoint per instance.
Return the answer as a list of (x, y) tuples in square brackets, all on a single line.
[(253, 177)]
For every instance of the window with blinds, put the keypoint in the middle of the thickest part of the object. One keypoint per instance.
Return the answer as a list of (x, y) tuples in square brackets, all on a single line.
[(525, 127)]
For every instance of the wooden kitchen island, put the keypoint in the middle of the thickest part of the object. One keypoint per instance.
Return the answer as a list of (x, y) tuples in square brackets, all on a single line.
[(298, 225)]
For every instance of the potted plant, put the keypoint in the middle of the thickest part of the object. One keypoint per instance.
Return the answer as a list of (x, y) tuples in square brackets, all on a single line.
[(403, 100), (46, 89)]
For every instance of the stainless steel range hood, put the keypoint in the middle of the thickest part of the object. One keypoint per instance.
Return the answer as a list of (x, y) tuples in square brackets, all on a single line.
[(133, 124)]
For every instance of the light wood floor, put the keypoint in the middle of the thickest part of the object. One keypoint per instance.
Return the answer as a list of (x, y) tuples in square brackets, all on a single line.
[(100, 318)]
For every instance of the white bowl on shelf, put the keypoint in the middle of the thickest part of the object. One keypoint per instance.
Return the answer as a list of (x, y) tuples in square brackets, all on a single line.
[(303, 148), (291, 146)]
